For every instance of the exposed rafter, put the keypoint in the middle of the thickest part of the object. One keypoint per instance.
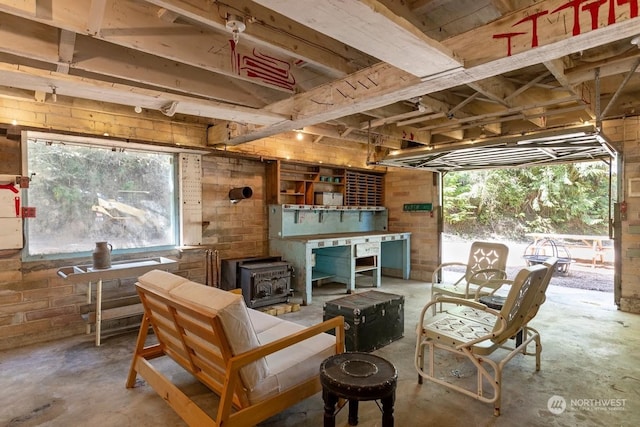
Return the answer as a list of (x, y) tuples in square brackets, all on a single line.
[(412, 73)]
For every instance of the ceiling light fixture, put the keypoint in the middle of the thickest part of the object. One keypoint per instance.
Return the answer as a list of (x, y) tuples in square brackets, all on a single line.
[(299, 135), (137, 109), (54, 95), (169, 109), (236, 25), (636, 41)]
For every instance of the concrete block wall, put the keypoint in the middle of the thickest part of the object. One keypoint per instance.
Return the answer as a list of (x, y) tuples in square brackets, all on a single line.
[(102, 119), (625, 133), (234, 229), (409, 186), (37, 305)]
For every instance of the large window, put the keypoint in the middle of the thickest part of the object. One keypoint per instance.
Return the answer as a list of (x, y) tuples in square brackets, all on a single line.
[(84, 193)]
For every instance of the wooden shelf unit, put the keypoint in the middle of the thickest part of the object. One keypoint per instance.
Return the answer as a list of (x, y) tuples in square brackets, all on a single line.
[(363, 189), (297, 183), (366, 263)]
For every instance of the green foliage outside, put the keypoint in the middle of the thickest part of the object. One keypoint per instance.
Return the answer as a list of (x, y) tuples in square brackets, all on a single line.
[(567, 199), (85, 194)]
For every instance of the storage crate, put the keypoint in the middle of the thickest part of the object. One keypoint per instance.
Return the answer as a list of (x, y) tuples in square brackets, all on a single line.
[(373, 319)]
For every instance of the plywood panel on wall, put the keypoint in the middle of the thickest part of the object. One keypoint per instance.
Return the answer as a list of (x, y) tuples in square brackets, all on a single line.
[(9, 156)]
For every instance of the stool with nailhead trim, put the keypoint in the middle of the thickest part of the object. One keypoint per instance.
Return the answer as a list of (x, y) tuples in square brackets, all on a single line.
[(357, 376)]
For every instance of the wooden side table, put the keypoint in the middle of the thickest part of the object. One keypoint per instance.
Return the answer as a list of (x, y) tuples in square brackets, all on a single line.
[(357, 376)]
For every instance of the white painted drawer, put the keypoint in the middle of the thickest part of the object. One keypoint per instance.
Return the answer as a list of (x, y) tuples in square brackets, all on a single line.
[(367, 249)]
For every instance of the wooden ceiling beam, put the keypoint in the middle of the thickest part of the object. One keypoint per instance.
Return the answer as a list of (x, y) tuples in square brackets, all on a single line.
[(373, 87), (506, 112), (168, 15), (383, 121), (116, 62), (515, 36), (96, 14), (277, 33), (34, 79), (557, 68), (66, 48), (422, 118), (504, 92), (388, 131), (371, 27), (136, 26), (130, 65), (495, 88), (609, 67), (507, 6), (330, 101), (618, 92)]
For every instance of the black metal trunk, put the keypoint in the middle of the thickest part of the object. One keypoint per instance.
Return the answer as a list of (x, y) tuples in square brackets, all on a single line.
[(373, 319)]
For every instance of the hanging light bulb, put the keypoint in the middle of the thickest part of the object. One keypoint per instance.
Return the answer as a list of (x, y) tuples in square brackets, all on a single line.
[(236, 25)]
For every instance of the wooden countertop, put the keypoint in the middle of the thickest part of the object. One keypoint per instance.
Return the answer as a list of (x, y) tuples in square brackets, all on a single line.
[(345, 236)]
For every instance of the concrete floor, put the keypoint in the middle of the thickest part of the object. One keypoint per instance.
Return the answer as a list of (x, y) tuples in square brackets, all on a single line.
[(590, 355)]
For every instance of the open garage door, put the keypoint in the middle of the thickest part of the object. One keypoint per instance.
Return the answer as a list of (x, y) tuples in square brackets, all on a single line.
[(566, 145)]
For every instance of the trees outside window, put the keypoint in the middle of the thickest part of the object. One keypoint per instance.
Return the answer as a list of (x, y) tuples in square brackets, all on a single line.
[(89, 193)]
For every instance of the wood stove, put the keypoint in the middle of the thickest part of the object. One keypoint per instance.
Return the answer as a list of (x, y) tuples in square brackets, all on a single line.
[(265, 283)]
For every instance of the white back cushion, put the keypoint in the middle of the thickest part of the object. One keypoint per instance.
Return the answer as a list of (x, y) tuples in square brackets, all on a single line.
[(161, 280), (232, 312)]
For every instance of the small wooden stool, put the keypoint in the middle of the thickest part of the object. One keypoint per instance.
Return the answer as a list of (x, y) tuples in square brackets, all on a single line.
[(357, 376)]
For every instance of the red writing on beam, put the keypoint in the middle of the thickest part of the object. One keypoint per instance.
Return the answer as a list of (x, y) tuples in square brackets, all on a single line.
[(507, 36), (534, 25), (262, 67), (577, 8)]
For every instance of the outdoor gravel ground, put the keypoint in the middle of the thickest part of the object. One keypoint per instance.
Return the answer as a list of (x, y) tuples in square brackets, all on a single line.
[(580, 275)]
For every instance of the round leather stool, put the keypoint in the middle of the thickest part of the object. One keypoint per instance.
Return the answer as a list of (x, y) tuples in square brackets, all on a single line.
[(492, 301), (496, 302), (357, 376)]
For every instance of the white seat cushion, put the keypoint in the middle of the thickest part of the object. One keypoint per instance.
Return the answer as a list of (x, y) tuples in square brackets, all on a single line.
[(294, 364)]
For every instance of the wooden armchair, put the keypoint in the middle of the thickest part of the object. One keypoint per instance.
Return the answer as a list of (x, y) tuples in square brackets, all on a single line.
[(476, 331), (258, 364), (487, 261)]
